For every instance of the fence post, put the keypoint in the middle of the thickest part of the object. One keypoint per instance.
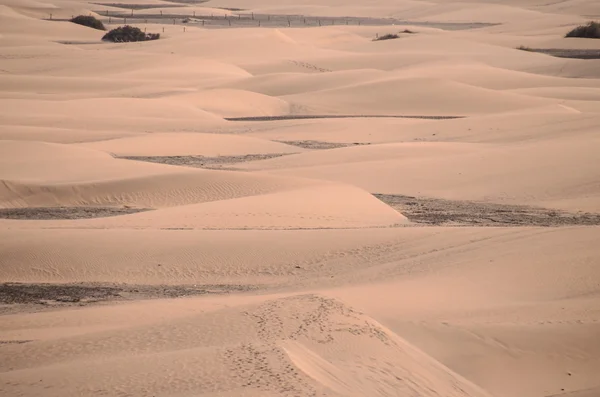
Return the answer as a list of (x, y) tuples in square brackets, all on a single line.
[(132, 12), (203, 22), (259, 23), (109, 19), (194, 14), (184, 29), (319, 22), (125, 21), (50, 16), (253, 16), (173, 22), (229, 22), (163, 29)]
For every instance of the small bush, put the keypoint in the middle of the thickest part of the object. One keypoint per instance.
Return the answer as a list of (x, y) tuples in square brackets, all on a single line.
[(525, 48), (89, 21), (408, 31), (125, 34), (386, 37), (589, 31)]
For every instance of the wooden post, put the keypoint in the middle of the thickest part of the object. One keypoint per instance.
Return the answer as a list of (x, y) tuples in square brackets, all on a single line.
[(184, 29), (106, 12), (161, 13), (109, 19), (173, 22), (125, 21), (239, 16), (203, 22), (50, 16), (194, 14), (268, 17), (229, 22), (132, 12), (163, 29), (253, 16), (259, 23), (289, 23), (319, 22)]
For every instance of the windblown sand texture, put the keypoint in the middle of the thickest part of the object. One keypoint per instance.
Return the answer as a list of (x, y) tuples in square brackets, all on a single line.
[(298, 210)]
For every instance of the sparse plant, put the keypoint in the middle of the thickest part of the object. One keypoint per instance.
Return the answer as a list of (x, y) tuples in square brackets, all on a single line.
[(408, 31), (389, 36), (125, 34), (89, 21), (525, 48), (589, 31)]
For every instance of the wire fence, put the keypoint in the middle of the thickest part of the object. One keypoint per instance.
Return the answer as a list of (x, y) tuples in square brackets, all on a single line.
[(193, 18)]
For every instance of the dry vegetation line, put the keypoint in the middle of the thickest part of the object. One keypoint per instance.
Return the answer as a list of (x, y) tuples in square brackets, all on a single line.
[(220, 162), (432, 211), (19, 296), (337, 116), (50, 213)]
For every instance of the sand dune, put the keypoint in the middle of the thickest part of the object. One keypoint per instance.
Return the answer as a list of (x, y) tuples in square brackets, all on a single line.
[(248, 206)]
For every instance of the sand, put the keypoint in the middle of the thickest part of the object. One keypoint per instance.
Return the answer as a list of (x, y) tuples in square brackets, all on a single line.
[(268, 202)]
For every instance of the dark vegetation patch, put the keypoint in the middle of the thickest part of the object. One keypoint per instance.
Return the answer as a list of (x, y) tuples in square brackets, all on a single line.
[(389, 36), (430, 211), (589, 31), (53, 213), (14, 341), (80, 294), (126, 34), (525, 48), (187, 1), (564, 53), (321, 145), (139, 6), (89, 21), (220, 162), (337, 116)]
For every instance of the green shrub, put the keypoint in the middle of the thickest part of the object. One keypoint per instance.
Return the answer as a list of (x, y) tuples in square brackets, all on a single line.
[(589, 31), (89, 21), (386, 37), (124, 34)]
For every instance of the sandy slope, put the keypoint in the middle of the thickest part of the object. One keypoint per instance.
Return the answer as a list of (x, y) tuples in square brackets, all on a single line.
[(165, 250)]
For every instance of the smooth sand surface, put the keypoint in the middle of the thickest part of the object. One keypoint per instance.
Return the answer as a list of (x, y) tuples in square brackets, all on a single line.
[(329, 242)]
